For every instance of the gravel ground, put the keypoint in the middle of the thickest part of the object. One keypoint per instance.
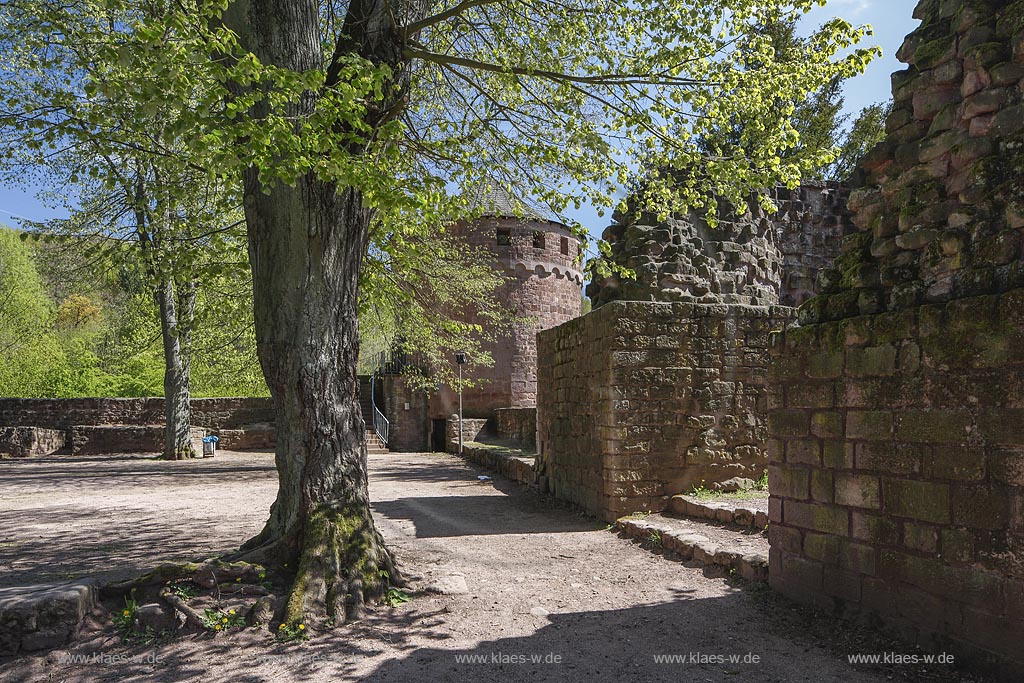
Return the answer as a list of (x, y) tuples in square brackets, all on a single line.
[(549, 595)]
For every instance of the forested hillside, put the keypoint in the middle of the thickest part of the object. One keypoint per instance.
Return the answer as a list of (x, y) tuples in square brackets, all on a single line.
[(73, 325)]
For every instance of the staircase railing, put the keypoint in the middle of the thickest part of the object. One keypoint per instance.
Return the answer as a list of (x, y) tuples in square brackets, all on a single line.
[(381, 426)]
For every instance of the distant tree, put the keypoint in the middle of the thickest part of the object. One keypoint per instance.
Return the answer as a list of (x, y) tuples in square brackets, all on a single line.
[(868, 130), (430, 295), (816, 117)]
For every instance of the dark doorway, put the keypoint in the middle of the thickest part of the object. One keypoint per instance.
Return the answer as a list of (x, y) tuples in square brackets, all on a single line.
[(438, 435)]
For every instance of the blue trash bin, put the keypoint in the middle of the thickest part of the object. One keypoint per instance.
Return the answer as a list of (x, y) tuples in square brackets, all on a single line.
[(210, 446)]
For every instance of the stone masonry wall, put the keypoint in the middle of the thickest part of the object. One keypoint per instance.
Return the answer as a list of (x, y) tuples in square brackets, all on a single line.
[(543, 288), (811, 223), (753, 258), (408, 427), (518, 425), (897, 477), (639, 401), (63, 413), (941, 208), (897, 452), (472, 428)]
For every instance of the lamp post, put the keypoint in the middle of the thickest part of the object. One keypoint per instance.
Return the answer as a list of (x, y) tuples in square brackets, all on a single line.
[(460, 358)]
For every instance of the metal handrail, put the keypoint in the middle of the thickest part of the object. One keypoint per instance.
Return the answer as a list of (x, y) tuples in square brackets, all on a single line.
[(381, 426)]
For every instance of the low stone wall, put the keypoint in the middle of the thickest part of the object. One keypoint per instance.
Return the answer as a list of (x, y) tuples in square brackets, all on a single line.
[(24, 442), (64, 413), (98, 439), (518, 425), (471, 429), (639, 401), (897, 471), (506, 462), (254, 437)]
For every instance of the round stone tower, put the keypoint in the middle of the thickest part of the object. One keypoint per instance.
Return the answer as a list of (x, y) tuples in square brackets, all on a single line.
[(544, 288)]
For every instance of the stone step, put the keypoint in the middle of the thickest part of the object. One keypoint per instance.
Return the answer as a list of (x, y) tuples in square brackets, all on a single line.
[(43, 616), (750, 514), (745, 553)]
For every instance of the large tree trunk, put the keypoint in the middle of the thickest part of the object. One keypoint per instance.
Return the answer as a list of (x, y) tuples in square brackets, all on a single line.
[(306, 247), (177, 309)]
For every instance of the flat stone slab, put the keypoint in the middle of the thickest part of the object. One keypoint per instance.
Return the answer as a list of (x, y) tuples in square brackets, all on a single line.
[(747, 511), (43, 616), (743, 552)]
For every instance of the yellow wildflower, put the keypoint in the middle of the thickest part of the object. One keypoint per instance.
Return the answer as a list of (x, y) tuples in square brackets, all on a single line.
[(231, 612), (225, 620), (217, 627), (125, 613), (280, 627), (302, 627)]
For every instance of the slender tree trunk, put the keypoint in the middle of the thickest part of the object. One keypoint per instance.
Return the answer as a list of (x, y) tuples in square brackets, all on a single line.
[(177, 309)]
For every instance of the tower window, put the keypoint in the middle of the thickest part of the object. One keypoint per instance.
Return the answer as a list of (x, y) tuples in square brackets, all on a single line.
[(538, 240), (565, 246), (504, 236)]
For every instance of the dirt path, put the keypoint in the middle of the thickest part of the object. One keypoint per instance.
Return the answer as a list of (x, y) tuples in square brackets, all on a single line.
[(549, 595)]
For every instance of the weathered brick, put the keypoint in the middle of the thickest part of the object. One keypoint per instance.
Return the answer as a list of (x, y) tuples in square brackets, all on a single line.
[(789, 482), (1006, 465), (872, 361), (890, 457), (1002, 425), (871, 425), (857, 490), (821, 547), (857, 557), (926, 501), (802, 573), (837, 455), (789, 423), (774, 509), (810, 395), (965, 463), (816, 516), (785, 538), (824, 365), (827, 424), (821, 486), (842, 584), (931, 426), (981, 506), (957, 545), (875, 529), (803, 451), (920, 537), (878, 595)]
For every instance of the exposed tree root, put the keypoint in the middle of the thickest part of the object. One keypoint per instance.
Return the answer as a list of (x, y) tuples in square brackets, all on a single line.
[(343, 565), (192, 617), (206, 574)]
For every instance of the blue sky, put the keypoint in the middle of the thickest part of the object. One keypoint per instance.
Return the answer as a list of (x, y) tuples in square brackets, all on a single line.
[(891, 20)]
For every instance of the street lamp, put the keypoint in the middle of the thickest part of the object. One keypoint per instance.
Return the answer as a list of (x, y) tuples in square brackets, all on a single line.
[(460, 359)]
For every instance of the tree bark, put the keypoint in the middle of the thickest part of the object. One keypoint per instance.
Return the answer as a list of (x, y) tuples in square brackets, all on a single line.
[(177, 310), (306, 247)]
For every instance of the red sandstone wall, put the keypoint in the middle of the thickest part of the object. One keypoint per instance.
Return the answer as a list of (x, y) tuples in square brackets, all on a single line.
[(545, 287)]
